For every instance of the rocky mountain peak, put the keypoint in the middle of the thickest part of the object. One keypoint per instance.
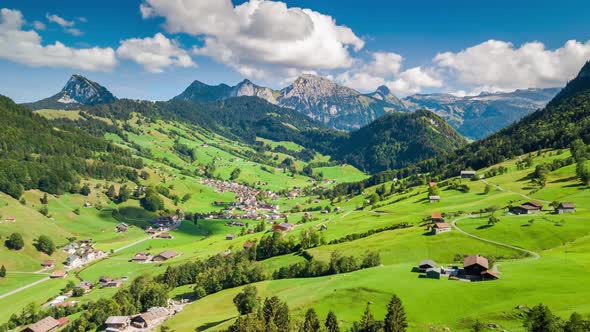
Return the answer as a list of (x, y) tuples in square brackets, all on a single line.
[(83, 91)]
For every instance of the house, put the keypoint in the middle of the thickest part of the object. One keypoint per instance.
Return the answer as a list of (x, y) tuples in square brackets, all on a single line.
[(10, 219), (150, 318), (121, 228), (433, 273), (104, 279), (46, 324), (283, 227), (440, 227), (165, 236), (566, 207), (48, 264), (112, 284), (117, 323), (475, 265), (58, 274), (248, 245), (141, 257), (436, 217), (467, 174), (164, 256), (489, 275), (434, 198), (63, 320), (58, 300), (535, 205), (86, 286), (523, 209), (230, 237), (426, 264), (74, 261), (432, 184)]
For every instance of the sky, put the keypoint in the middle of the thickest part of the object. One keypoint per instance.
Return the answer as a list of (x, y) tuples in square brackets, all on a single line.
[(153, 49)]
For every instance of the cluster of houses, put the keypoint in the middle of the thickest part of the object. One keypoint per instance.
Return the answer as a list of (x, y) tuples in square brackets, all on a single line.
[(146, 320), (536, 207), (246, 205), (143, 257), (168, 222), (438, 224), (82, 253), (475, 268)]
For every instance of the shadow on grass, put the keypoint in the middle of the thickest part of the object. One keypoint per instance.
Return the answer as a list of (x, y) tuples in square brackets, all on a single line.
[(428, 233), (484, 226), (573, 178), (207, 326), (185, 296), (129, 214)]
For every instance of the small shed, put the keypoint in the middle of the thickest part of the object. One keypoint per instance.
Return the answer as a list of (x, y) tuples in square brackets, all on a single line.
[(467, 174), (230, 236), (426, 264), (566, 207), (433, 273)]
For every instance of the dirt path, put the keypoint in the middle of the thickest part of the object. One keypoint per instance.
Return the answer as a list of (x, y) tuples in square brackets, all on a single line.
[(534, 255), (514, 192)]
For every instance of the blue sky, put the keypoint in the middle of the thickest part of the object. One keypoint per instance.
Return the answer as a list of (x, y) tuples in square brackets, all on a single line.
[(395, 43)]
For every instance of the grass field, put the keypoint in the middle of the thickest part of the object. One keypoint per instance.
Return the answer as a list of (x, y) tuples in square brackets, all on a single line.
[(556, 279)]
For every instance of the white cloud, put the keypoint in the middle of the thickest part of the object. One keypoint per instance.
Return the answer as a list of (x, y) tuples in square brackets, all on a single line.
[(24, 46), (499, 66), (155, 54), (82, 19), (59, 20), (74, 32), (259, 38), (39, 25), (384, 69)]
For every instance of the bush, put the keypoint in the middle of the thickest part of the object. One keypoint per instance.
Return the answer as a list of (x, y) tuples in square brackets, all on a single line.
[(15, 241)]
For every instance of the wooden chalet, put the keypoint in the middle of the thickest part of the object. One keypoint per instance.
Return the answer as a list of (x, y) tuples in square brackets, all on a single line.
[(45, 325), (164, 256), (440, 227), (436, 217), (566, 207), (474, 265)]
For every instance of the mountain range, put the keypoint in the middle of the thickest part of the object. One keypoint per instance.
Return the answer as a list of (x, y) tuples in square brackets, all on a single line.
[(339, 107)]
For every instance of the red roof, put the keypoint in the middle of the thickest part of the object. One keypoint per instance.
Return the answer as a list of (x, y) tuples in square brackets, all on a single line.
[(431, 184), (248, 245), (63, 321), (436, 215)]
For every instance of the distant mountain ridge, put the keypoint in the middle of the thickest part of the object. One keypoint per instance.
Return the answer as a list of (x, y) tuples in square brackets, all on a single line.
[(479, 116), (317, 97), (78, 91)]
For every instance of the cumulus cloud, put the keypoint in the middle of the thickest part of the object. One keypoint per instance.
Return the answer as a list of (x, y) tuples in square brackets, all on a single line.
[(59, 20), (24, 46), (385, 69), (74, 32), (500, 66), (155, 53), (259, 38)]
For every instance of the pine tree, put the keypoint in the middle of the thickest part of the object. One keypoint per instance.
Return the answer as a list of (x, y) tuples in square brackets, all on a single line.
[(368, 323), (111, 193), (2, 272), (395, 320), (44, 200), (312, 322), (332, 322)]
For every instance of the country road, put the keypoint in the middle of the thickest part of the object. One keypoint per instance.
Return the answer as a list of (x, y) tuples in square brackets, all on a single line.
[(513, 192), (529, 252), (23, 288)]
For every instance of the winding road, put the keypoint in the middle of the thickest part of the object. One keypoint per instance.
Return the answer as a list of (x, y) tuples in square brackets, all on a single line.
[(514, 192), (534, 255)]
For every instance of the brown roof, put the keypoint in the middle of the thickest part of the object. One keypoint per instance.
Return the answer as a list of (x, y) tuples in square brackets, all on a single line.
[(490, 272), (63, 321), (167, 254), (117, 320), (442, 225), (436, 215), (535, 204), (475, 259), (528, 207), (567, 205), (141, 256), (58, 274), (46, 324), (248, 244), (47, 263)]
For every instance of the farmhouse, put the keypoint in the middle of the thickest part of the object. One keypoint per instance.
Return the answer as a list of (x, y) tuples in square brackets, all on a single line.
[(283, 227), (150, 318), (85, 285), (165, 235), (475, 265), (434, 198), (141, 257), (230, 237), (566, 207), (116, 323), (440, 227), (164, 256), (467, 174), (58, 274), (46, 324), (48, 264), (436, 217), (526, 208), (426, 264)]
